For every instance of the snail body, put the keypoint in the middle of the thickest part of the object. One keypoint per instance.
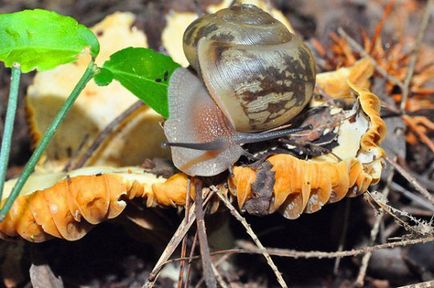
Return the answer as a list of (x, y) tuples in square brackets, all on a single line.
[(254, 76)]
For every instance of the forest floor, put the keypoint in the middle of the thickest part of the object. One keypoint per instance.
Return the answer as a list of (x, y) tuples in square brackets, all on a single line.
[(116, 254)]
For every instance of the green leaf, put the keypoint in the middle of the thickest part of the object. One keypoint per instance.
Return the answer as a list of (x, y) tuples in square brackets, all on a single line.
[(143, 72), (41, 39)]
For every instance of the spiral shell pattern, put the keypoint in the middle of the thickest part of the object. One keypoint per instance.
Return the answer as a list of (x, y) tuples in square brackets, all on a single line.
[(259, 74)]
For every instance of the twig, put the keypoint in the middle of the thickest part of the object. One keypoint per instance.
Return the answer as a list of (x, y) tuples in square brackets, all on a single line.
[(356, 46), (314, 254), (207, 266), (216, 264), (394, 212), (411, 179), (184, 240), (105, 133), (417, 212), (173, 243), (193, 247), (343, 235), (218, 277), (415, 198), (170, 248), (415, 53), (360, 280), (255, 239)]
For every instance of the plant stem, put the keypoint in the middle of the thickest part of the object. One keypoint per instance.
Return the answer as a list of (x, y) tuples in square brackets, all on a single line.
[(9, 124), (49, 133)]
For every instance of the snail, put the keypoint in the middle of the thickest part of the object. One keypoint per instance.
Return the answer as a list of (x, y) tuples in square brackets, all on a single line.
[(251, 75)]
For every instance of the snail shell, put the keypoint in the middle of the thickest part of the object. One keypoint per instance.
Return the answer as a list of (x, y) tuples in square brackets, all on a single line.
[(258, 73), (252, 75)]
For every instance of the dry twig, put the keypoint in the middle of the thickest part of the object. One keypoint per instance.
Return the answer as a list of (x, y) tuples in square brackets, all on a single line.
[(421, 228), (105, 133), (192, 249), (184, 241), (286, 253), (215, 265), (410, 179), (170, 248), (415, 53), (360, 280), (218, 277), (207, 266), (252, 234), (173, 243), (343, 236), (417, 200)]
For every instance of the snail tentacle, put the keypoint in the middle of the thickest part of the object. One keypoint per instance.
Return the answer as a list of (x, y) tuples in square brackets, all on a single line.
[(238, 138)]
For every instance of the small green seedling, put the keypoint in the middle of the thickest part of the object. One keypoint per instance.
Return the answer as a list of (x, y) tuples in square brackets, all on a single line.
[(41, 40), (143, 72)]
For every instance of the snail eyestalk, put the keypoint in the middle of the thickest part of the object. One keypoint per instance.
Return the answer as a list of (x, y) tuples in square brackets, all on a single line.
[(217, 144)]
